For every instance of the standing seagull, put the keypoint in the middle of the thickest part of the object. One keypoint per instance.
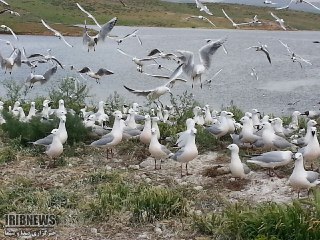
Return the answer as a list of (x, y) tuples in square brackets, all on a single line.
[(96, 75), (262, 48), (237, 168), (236, 25), (202, 18), (88, 15), (55, 149), (195, 71), (91, 41), (203, 7), (7, 29), (56, 33), (280, 21)]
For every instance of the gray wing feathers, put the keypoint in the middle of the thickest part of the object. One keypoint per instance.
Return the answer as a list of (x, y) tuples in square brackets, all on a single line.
[(48, 74), (106, 28), (103, 141), (44, 141), (208, 50), (312, 176), (165, 150), (178, 154), (269, 157), (246, 168)]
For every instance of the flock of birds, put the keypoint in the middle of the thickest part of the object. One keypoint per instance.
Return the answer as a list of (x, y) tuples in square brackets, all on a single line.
[(254, 131)]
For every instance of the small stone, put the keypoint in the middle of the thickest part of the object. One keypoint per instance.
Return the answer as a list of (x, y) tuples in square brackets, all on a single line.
[(143, 236), (197, 212), (134, 167), (183, 183), (108, 168), (198, 188), (137, 177), (232, 179), (148, 180), (157, 230), (94, 230), (117, 160)]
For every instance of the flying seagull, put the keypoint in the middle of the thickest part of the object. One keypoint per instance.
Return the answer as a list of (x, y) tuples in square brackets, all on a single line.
[(13, 60), (9, 11), (56, 33), (133, 34), (46, 58), (269, 2), (262, 48), (254, 73), (33, 78), (88, 15), (280, 21), (285, 7), (203, 7), (303, 1), (236, 25), (7, 29), (91, 41), (96, 75), (202, 18)]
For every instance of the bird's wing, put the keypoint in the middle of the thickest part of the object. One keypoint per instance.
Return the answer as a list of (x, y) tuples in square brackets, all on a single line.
[(153, 52), (304, 60), (285, 7), (36, 55), (208, 20), (50, 28), (131, 34), (56, 60), (13, 34), (282, 25), (312, 176), (48, 74), (4, 10), (65, 41), (275, 17), (85, 70), (311, 4), (103, 141), (17, 59), (208, 50), (173, 78), (103, 71), (267, 54), (122, 3), (163, 77), (106, 28), (216, 74), (269, 157), (122, 52), (165, 150), (85, 38), (89, 15), (228, 17), (139, 92), (139, 40), (4, 2), (286, 46)]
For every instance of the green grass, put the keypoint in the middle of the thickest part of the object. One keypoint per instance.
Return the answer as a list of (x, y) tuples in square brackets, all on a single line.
[(142, 13)]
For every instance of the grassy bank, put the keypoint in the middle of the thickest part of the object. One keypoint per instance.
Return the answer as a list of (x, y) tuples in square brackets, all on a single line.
[(64, 14)]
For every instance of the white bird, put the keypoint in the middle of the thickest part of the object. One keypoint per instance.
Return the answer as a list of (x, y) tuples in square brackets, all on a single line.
[(13, 60), (157, 150), (7, 29), (195, 71), (88, 15), (312, 5), (254, 73), (237, 168), (114, 137), (269, 2), (247, 132), (95, 75), (145, 136), (305, 140), (92, 41), (272, 160), (300, 178), (183, 136), (33, 78), (56, 33), (46, 58), (138, 61), (262, 48), (221, 127), (280, 21), (285, 7), (202, 18), (132, 34), (209, 81), (188, 152), (294, 124), (311, 152), (203, 7), (55, 149), (32, 111), (235, 25)]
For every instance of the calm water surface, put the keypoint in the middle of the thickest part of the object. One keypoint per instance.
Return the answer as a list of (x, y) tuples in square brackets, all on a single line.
[(279, 83)]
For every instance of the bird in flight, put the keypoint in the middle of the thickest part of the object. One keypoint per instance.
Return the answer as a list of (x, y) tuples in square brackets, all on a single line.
[(56, 33)]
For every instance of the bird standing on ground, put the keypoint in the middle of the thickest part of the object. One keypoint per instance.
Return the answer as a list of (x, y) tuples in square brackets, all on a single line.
[(237, 168)]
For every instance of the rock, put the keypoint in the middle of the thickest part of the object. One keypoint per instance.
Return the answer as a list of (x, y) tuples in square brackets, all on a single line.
[(143, 236), (158, 230), (117, 160), (143, 175), (197, 212), (148, 180), (134, 167), (223, 170), (149, 162), (94, 230), (198, 188), (108, 168), (137, 177)]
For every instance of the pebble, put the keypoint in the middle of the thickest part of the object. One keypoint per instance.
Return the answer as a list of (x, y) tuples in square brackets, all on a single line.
[(134, 167), (94, 230), (198, 188), (148, 180), (137, 177), (108, 168), (143, 236), (157, 230)]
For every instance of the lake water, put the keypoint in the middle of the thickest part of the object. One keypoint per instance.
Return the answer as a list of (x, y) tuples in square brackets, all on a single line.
[(279, 83)]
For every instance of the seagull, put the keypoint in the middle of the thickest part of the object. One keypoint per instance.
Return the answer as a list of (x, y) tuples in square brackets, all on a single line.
[(195, 71), (133, 34), (32, 78), (96, 75), (303, 1), (138, 61), (157, 150), (4, 2), (295, 57), (272, 159), (311, 152), (300, 178), (262, 48), (55, 149), (10, 11), (88, 15), (235, 25), (255, 21), (237, 168), (269, 2), (280, 21), (7, 29), (254, 74), (188, 152), (91, 41), (183, 136), (46, 58), (13, 60), (56, 33), (202, 18), (203, 7), (285, 7)]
